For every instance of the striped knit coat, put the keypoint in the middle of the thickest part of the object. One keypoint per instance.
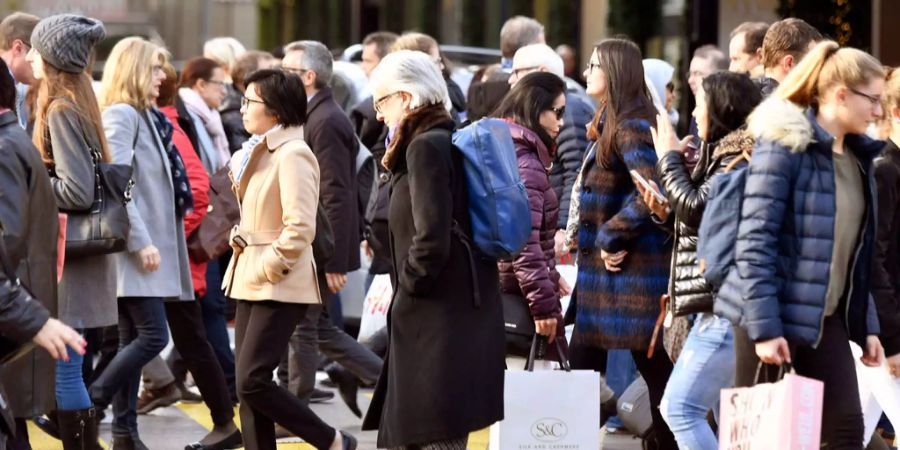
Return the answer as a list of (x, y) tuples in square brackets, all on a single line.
[(619, 310)]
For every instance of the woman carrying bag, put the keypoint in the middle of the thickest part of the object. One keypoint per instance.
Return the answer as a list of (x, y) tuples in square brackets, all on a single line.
[(69, 136), (534, 109)]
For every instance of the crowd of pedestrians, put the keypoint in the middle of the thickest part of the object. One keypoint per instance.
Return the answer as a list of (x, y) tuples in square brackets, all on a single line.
[(253, 190)]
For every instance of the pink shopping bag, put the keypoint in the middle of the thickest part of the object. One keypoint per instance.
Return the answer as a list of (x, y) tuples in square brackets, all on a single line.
[(770, 416), (61, 246)]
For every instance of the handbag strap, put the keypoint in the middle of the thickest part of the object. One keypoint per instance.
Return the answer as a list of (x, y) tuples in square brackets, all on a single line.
[(539, 348), (781, 372)]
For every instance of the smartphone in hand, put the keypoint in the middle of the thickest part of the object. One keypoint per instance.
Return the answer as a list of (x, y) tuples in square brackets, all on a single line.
[(646, 184)]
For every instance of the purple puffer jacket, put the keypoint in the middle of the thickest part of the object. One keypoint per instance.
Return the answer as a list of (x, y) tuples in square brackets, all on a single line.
[(533, 273)]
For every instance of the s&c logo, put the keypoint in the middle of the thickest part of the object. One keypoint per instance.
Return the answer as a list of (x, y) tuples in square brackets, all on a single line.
[(549, 429)]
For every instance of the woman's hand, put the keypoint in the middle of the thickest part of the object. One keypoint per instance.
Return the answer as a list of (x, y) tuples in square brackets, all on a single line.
[(664, 137), (559, 243), (54, 336), (613, 260), (149, 258), (874, 354), (658, 208), (774, 351), (564, 288), (894, 365), (546, 327)]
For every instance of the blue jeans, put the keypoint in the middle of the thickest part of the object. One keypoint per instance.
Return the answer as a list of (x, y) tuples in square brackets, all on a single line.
[(71, 393), (143, 333), (620, 373), (213, 306), (705, 367)]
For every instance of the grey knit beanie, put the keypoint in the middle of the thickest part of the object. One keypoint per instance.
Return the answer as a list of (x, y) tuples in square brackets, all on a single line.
[(65, 40)]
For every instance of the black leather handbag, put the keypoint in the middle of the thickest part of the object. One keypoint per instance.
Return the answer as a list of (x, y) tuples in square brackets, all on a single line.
[(104, 228), (518, 323)]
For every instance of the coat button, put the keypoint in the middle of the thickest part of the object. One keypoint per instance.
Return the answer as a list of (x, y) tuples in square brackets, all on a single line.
[(384, 177), (285, 271)]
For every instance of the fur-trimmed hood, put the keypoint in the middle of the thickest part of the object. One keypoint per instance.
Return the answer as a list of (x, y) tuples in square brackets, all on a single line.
[(783, 122), (791, 126), (734, 143)]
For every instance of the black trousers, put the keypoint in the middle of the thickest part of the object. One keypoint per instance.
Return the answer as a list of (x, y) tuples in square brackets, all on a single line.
[(655, 372), (189, 337), (832, 363), (262, 331)]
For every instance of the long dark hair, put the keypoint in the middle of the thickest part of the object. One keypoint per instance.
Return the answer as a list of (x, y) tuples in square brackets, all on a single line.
[(627, 96), (730, 98), (531, 96)]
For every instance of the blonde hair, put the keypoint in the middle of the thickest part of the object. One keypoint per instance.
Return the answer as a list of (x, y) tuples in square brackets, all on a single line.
[(225, 51), (891, 98), (419, 42), (828, 65), (128, 74)]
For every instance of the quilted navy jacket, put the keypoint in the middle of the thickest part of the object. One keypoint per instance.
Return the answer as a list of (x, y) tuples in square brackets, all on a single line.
[(786, 233)]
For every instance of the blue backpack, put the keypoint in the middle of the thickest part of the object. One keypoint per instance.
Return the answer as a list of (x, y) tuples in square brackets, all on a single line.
[(718, 231), (498, 203)]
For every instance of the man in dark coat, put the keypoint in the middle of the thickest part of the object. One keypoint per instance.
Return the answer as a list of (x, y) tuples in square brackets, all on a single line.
[(28, 213), (329, 134)]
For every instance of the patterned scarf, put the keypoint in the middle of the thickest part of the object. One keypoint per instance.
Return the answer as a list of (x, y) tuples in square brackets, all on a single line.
[(184, 199)]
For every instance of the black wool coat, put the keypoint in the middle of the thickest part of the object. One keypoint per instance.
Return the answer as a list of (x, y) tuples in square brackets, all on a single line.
[(443, 373), (330, 135)]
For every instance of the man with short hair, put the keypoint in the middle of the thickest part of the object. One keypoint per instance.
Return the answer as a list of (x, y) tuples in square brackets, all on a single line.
[(516, 33), (744, 49), (375, 46), (785, 44), (15, 42), (707, 59), (329, 133), (572, 141)]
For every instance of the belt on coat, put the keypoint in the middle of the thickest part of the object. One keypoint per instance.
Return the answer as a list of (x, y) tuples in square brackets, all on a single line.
[(243, 238)]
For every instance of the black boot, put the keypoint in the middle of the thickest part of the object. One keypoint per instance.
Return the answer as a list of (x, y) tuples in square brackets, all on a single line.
[(347, 384), (78, 429)]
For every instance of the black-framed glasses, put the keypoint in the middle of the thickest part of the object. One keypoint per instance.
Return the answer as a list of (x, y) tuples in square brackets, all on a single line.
[(560, 112), (381, 101), (591, 66), (875, 101), (246, 101)]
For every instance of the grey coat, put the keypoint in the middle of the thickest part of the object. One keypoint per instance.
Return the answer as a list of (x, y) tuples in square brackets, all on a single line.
[(151, 210), (30, 227), (87, 291)]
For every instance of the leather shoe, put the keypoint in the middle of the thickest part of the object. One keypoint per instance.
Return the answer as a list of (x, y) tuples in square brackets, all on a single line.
[(319, 396), (349, 442), (48, 424), (127, 443), (235, 440), (347, 385)]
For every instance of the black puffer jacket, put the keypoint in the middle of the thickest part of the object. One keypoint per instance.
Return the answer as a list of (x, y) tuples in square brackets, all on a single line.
[(687, 194), (571, 145), (230, 111)]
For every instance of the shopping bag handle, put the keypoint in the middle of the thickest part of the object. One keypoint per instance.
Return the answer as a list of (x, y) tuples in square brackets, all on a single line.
[(781, 371), (539, 349)]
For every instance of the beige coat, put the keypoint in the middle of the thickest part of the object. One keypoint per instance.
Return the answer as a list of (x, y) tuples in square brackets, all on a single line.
[(278, 191)]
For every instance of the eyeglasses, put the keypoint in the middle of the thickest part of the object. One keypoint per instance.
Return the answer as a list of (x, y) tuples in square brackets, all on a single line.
[(295, 70), (246, 101), (220, 83), (158, 68), (875, 101), (381, 101), (560, 112), (591, 66)]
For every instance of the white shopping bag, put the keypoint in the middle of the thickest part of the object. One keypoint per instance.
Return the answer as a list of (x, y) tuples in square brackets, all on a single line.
[(375, 307), (549, 409)]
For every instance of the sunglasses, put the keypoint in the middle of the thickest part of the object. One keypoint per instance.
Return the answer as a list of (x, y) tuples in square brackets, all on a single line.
[(560, 112)]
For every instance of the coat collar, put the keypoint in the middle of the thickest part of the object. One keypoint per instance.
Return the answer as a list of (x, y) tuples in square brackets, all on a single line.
[(531, 141), (8, 118), (277, 138), (321, 97)]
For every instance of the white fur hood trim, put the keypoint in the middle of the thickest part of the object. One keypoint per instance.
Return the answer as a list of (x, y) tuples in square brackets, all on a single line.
[(783, 122)]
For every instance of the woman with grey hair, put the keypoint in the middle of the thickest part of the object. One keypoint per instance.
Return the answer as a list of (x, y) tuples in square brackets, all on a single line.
[(438, 335)]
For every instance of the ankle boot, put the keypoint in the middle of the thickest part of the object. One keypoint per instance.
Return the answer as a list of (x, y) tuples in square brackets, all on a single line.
[(78, 429)]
